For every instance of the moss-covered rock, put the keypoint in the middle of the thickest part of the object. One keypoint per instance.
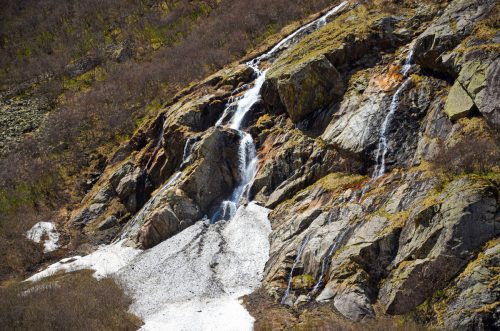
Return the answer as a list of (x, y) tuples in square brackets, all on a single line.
[(303, 282), (309, 87), (436, 243), (459, 104), (306, 78)]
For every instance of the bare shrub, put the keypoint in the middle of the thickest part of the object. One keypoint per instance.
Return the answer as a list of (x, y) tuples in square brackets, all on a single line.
[(74, 301), (471, 154)]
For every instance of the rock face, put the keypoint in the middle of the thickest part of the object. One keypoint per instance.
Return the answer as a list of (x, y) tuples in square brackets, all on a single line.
[(438, 242), (410, 87), (198, 192), (309, 87)]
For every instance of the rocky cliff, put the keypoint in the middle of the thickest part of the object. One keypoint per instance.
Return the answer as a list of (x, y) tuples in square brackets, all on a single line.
[(376, 136)]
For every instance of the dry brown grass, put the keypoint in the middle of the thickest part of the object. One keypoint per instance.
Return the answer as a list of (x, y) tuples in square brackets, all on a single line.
[(74, 301)]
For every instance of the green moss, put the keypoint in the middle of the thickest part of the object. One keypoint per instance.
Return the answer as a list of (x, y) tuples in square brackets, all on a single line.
[(303, 281), (336, 181), (85, 80), (358, 22)]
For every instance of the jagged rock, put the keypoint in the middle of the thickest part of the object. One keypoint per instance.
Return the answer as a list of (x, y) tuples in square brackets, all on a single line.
[(438, 241), (209, 180), (131, 188), (486, 93), (293, 162), (128, 183), (459, 104), (199, 114), (447, 32), (360, 118), (105, 194), (174, 212), (108, 223), (356, 128), (88, 214), (472, 300), (123, 171), (361, 263), (479, 79), (216, 169)]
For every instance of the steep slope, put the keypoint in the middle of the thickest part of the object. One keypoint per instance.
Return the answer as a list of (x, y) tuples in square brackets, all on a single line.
[(375, 132)]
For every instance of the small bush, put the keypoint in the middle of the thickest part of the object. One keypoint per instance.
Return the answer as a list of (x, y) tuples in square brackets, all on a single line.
[(471, 154), (74, 301)]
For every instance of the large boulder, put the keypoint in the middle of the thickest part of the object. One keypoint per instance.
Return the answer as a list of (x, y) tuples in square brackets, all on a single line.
[(309, 86), (173, 212), (196, 191), (477, 87), (458, 104), (215, 171)]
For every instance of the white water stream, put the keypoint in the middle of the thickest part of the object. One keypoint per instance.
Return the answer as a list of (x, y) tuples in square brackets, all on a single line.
[(383, 145), (295, 263), (325, 264)]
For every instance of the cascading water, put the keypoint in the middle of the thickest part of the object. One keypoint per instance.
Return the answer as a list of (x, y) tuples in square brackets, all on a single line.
[(383, 145), (194, 279), (247, 154), (383, 142), (243, 104), (286, 42), (325, 264), (295, 263), (408, 65)]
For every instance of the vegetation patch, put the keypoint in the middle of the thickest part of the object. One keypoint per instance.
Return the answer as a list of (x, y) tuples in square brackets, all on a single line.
[(74, 301)]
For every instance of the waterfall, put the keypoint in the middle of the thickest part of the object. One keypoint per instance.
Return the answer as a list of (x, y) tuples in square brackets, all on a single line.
[(247, 153), (383, 144), (286, 42), (249, 99), (297, 260), (195, 278), (408, 64), (325, 264), (188, 151)]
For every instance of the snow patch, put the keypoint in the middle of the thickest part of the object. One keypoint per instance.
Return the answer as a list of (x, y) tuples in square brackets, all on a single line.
[(46, 230), (105, 261)]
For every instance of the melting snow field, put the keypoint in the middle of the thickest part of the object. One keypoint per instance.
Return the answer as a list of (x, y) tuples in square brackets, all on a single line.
[(193, 280), (42, 229)]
